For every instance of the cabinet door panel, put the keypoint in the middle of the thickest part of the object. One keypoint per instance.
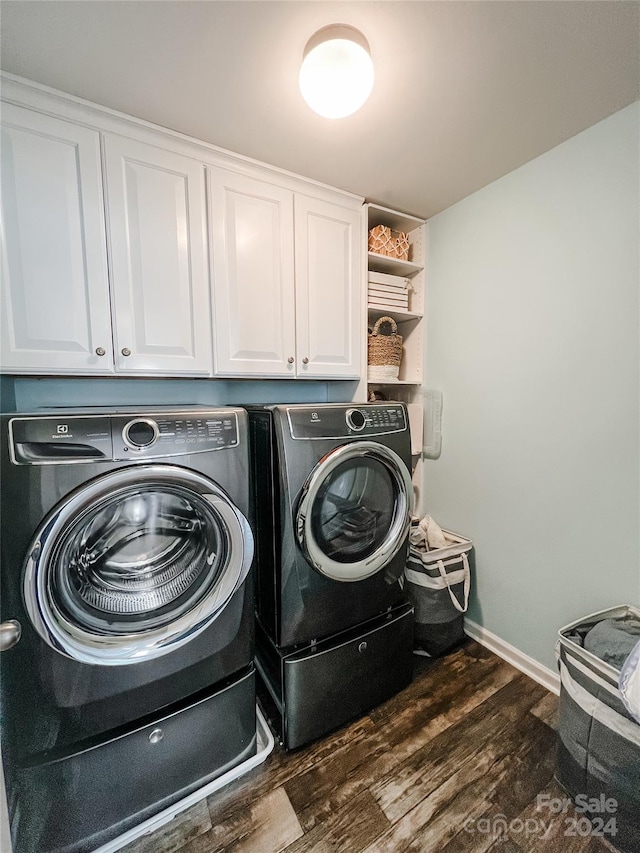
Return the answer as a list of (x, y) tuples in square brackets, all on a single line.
[(253, 287), (328, 289), (158, 252), (55, 292)]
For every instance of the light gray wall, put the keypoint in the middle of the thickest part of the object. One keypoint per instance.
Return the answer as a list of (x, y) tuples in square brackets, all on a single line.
[(533, 337)]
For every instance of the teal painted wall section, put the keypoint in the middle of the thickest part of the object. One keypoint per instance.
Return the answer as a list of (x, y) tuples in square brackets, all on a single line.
[(7, 394), (25, 394), (533, 338)]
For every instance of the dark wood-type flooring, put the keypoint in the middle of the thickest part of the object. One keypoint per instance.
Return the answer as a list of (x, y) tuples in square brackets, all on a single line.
[(431, 770)]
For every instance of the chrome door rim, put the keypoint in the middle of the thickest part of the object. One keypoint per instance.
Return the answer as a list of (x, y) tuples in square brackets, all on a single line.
[(122, 649), (397, 535)]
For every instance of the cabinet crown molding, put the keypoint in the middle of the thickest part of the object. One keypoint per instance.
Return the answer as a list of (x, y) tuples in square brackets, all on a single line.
[(36, 96)]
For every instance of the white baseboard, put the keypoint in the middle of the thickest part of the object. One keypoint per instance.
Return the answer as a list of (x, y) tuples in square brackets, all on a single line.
[(540, 673)]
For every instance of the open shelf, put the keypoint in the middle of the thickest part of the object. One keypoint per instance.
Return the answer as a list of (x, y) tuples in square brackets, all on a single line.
[(393, 266), (400, 315), (372, 384), (393, 219)]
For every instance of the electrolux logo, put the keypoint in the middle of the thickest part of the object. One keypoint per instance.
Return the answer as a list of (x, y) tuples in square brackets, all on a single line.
[(62, 431)]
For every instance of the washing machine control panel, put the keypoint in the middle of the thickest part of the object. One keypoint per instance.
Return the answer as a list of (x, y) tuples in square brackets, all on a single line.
[(174, 436), (87, 438), (346, 421)]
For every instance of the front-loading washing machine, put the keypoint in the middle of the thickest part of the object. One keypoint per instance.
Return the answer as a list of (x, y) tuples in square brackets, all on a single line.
[(333, 498), (127, 616)]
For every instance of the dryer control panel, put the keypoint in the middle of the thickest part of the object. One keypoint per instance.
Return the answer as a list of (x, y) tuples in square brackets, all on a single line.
[(346, 421), (87, 438)]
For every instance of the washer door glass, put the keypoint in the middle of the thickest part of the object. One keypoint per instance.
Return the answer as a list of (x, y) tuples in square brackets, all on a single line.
[(354, 512), (135, 564)]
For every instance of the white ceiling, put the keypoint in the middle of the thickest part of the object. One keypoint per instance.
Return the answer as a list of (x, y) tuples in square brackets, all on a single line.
[(465, 91)]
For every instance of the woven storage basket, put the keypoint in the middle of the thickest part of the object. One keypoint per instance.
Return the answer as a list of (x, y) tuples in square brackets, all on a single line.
[(380, 240), (393, 244), (402, 246), (384, 351)]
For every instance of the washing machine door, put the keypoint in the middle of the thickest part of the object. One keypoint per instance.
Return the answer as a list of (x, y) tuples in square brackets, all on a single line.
[(354, 511), (135, 564)]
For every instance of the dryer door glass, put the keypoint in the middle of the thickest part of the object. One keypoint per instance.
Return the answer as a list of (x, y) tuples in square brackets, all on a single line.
[(136, 564), (354, 511)]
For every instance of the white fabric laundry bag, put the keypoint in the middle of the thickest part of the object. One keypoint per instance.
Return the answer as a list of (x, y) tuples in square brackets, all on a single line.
[(629, 683)]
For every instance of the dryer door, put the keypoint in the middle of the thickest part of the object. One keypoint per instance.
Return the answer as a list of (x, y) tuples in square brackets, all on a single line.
[(134, 564), (354, 511)]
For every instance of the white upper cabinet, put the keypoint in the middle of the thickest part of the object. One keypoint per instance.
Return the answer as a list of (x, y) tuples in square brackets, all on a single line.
[(157, 236), (286, 290), (129, 249), (55, 293), (251, 225), (328, 289)]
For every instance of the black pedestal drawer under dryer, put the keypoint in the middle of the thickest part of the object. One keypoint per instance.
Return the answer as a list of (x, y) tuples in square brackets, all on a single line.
[(333, 498), (127, 616)]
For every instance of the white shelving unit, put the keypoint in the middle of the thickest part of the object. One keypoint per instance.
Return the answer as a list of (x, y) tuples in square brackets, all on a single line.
[(411, 321)]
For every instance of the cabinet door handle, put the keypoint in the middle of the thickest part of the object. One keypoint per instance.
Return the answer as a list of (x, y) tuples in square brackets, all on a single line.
[(10, 633), (126, 351), (290, 359), (305, 360), (101, 351)]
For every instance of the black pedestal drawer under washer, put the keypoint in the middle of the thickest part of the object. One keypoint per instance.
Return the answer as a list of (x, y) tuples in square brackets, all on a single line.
[(333, 499), (127, 616)]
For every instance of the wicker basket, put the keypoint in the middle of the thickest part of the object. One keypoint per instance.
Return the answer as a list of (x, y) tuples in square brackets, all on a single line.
[(402, 246), (384, 352), (393, 244)]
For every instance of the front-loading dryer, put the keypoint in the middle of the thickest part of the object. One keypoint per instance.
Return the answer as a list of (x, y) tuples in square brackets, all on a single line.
[(127, 616), (333, 500)]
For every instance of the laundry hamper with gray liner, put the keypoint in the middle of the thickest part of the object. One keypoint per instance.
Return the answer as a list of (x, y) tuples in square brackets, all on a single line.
[(437, 583), (598, 759)]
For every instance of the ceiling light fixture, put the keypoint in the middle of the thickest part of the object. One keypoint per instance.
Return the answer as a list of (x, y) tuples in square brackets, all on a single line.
[(336, 76)]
